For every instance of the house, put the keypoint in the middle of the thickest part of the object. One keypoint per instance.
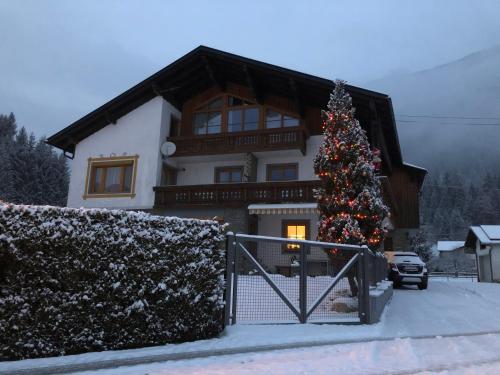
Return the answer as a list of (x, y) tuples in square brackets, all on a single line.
[(484, 242), (454, 258), (242, 137), (450, 248)]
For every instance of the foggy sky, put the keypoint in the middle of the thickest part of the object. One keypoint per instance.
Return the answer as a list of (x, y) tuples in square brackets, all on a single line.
[(60, 60)]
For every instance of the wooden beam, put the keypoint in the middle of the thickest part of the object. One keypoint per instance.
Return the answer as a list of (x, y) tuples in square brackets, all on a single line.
[(383, 147), (296, 96), (221, 84), (252, 85), (110, 119)]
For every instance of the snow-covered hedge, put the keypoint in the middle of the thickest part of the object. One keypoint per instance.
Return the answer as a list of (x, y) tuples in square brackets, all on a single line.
[(78, 280)]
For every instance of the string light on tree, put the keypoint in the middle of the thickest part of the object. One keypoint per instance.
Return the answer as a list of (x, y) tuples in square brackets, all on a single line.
[(350, 202)]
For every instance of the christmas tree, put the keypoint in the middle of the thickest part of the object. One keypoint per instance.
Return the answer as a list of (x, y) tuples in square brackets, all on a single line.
[(350, 203)]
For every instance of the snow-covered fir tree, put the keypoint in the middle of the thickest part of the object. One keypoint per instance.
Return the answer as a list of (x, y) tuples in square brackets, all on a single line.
[(419, 245), (350, 202), (32, 172)]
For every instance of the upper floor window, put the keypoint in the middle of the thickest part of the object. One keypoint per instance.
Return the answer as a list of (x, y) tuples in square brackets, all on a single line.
[(229, 113), (276, 119), (224, 175), (113, 176), (242, 115), (208, 119), (282, 172)]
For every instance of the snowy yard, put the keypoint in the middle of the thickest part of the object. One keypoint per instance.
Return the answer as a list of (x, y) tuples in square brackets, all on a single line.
[(405, 340), (257, 302)]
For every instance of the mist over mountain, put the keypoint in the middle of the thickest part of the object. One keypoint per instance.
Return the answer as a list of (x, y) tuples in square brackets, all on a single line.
[(442, 114)]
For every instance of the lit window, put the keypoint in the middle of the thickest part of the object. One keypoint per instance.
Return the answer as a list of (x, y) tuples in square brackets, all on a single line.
[(296, 230)]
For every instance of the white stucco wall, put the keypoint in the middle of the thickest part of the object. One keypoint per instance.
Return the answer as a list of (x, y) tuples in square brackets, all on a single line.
[(495, 262), (199, 170), (140, 132)]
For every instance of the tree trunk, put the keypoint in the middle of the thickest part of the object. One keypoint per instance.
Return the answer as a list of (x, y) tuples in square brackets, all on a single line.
[(339, 259)]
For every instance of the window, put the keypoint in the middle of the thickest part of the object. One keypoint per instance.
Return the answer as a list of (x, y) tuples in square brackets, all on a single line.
[(282, 172), (242, 115), (113, 176), (296, 230), (276, 119), (208, 119), (226, 175)]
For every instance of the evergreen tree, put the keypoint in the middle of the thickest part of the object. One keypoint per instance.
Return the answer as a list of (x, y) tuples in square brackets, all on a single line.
[(419, 245), (350, 202), (8, 130), (32, 172)]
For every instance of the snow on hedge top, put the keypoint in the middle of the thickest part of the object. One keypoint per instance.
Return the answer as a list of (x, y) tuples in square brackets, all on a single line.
[(82, 222)]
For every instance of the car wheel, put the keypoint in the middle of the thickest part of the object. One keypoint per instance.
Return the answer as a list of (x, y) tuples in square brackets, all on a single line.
[(422, 286)]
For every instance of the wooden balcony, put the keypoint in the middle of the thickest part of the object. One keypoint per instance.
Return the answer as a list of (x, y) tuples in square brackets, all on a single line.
[(239, 194), (250, 141)]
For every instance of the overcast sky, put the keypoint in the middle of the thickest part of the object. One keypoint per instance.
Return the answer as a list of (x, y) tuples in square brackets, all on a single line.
[(61, 59)]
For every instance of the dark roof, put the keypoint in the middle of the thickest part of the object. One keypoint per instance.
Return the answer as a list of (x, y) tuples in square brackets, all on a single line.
[(418, 172), (199, 69)]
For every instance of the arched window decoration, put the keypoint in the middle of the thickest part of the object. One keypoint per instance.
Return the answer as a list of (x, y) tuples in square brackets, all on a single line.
[(231, 114)]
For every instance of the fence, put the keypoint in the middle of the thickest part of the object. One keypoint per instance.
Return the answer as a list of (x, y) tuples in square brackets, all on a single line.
[(280, 280), (472, 276)]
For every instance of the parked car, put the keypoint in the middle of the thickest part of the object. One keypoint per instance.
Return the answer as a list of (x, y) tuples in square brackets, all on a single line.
[(406, 268)]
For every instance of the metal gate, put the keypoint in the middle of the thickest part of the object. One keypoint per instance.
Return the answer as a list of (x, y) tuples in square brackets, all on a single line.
[(280, 280)]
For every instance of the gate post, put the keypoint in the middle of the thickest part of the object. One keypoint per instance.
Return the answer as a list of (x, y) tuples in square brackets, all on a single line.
[(230, 270), (303, 283), (364, 264)]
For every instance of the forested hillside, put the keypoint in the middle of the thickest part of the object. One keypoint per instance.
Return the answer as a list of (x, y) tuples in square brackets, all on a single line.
[(31, 172), (448, 121), (450, 204)]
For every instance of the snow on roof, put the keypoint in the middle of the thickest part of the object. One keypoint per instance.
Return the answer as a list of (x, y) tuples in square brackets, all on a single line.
[(486, 234), (414, 166), (492, 231), (449, 245)]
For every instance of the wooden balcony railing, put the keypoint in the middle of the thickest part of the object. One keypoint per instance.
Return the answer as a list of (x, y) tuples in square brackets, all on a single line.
[(250, 141), (239, 194)]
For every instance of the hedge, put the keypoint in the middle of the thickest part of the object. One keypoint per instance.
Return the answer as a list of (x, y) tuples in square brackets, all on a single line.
[(79, 280)]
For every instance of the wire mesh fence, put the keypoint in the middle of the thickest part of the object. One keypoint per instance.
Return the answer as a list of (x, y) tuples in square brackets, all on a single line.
[(277, 280)]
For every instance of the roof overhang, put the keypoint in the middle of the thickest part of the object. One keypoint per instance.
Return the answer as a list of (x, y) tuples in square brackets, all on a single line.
[(416, 171), (482, 233), (205, 67), (283, 209)]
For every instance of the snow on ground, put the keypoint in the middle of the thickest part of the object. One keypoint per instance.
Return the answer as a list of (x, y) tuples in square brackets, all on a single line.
[(457, 355), (258, 302), (445, 308)]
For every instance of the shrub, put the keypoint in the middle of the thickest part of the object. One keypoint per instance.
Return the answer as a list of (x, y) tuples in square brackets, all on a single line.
[(78, 280)]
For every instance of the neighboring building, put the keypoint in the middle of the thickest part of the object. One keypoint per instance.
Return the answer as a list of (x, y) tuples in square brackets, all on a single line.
[(484, 242), (450, 248), (454, 258), (245, 134)]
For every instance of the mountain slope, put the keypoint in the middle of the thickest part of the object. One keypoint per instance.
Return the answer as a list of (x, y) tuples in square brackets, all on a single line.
[(468, 87)]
